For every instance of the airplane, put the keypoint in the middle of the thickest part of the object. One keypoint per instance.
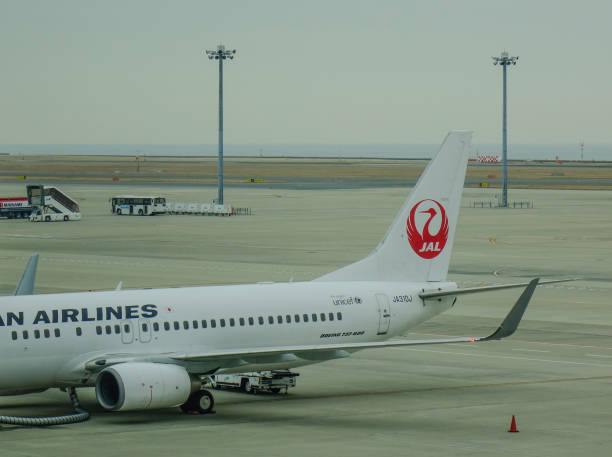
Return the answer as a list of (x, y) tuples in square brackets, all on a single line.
[(145, 349)]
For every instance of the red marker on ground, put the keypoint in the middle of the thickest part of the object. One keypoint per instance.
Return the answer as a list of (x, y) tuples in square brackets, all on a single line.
[(513, 428)]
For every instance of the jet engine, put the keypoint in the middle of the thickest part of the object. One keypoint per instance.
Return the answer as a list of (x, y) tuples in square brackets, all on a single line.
[(139, 385)]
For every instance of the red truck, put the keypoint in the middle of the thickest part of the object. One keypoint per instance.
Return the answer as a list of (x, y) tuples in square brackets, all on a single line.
[(15, 207)]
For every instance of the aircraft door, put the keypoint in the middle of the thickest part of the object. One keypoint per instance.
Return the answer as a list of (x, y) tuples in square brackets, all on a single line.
[(127, 332), (384, 313), (144, 330)]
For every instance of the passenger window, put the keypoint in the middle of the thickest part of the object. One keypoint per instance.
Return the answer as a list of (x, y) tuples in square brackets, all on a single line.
[(79, 332), (339, 315), (241, 320), (156, 326), (14, 335), (186, 325), (261, 321), (251, 321), (331, 316), (322, 317), (56, 332), (305, 316), (270, 320), (145, 327), (98, 330), (314, 317), (204, 323), (37, 334), (117, 329), (176, 325), (288, 318), (296, 318), (232, 322), (166, 325), (213, 323), (126, 328), (279, 319), (222, 322), (47, 333), (25, 335), (195, 324), (108, 329)]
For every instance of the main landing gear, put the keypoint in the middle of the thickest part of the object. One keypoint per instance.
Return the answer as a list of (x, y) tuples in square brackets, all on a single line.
[(200, 402)]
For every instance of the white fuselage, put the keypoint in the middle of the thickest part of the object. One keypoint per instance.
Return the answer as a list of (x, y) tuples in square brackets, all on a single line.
[(46, 340)]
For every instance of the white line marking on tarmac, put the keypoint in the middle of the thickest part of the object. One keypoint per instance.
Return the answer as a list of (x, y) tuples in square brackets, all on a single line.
[(529, 350), (598, 355)]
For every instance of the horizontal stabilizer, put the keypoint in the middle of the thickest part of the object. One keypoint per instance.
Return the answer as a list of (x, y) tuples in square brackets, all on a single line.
[(473, 290)]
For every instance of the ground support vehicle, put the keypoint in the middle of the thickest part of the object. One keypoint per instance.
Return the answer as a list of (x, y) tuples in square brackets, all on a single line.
[(258, 381), (51, 204), (201, 209), (49, 214), (15, 207), (138, 205)]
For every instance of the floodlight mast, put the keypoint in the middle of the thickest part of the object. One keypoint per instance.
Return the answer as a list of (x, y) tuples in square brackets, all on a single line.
[(220, 54), (504, 60)]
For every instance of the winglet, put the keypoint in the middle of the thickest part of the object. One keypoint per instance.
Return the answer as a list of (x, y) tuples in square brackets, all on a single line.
[(511, 322), (26, 284)]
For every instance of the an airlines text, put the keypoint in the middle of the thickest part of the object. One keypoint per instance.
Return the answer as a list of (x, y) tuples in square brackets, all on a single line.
[(101, 313)]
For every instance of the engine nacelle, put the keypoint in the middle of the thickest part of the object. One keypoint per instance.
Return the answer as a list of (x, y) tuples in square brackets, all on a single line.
[(139, 385)]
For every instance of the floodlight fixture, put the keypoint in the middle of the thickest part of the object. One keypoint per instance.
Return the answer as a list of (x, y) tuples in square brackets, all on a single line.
[(505, 59)]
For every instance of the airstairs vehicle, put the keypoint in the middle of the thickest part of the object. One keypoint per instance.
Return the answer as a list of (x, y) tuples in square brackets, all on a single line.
[(51, 204)]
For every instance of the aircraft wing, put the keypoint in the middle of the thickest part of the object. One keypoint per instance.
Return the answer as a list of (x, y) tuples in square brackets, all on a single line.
[(507, 328), (211, 360)]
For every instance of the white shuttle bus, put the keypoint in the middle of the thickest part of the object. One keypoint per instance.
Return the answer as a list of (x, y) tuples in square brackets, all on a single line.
[(140, 205)]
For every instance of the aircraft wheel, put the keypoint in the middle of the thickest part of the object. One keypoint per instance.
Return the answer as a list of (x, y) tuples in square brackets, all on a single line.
[(245, 385), (201, 402), (47, 218), (65, 218), (275, 390)]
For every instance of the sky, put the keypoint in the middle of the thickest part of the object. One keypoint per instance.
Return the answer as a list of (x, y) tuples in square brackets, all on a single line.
[(305, 72)]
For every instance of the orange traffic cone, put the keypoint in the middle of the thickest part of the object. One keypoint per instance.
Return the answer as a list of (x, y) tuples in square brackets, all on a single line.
[(513, 428)]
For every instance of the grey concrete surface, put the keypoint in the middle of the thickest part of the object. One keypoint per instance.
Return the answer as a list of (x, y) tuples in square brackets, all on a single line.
[(555, 374)]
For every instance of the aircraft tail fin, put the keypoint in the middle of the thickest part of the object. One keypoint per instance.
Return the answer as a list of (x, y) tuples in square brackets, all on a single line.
[(418, 244)]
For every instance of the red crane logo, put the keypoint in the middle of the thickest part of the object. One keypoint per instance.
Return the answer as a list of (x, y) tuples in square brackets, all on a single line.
[(424, 243)]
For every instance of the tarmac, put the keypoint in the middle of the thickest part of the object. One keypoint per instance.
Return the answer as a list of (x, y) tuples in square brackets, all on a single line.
[(554, 374)]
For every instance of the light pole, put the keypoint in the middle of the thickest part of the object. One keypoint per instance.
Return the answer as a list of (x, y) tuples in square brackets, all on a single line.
[(504, 60), (220, 54)]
